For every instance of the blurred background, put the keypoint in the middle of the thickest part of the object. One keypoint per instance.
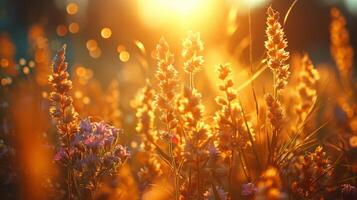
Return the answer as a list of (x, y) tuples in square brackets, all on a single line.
[(104, 34)]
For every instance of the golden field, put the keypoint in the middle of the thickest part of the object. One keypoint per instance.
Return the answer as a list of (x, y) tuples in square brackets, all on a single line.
[(178, 100)]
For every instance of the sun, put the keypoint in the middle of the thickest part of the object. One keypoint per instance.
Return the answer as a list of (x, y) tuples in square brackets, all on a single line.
[(181, 7), (159, 12)]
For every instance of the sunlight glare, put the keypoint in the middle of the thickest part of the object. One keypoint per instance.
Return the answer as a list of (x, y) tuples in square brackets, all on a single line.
[(180, 7), (187, 13)]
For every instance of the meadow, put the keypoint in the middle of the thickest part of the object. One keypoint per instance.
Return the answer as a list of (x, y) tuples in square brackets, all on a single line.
[(192, 125)]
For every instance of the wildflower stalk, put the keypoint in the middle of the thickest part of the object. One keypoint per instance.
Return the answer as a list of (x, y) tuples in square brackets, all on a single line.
[(191, 108), (62, 110), (276, 53), (165, 98), (277, 57), (232, 159), (233, 133)]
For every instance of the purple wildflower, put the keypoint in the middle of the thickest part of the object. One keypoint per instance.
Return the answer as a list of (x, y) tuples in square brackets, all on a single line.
[(63, 154), (86, 126), (249, 189), (213, 151), (96, 135), (94, 147), (122, 153)]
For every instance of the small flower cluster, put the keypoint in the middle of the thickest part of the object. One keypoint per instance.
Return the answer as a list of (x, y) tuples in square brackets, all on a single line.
[(192, 47), (311, 174), (231, 130), (275, 114), (307, 88), (191, 107), (94, 153), (249, 190), (276, 119)]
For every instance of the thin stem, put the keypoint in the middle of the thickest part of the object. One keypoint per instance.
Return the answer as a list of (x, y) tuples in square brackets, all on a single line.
[(68, 145), (231, 164), (250, 136), (69, 183), (175, 170), (189, 181), (250, 41), (173, 163), (243, 161), (198, 177), (251, 60), (69, 167), (274, 86), (230, 174), (198, 168), (191, 81)]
